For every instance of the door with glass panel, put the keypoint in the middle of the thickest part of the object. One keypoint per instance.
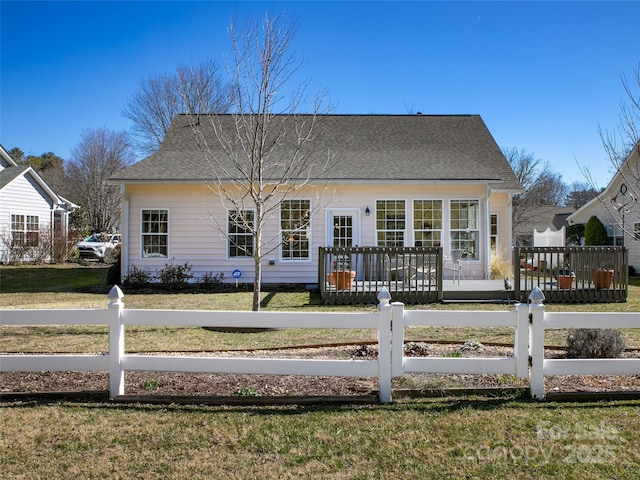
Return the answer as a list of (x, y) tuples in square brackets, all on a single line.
[(343, 231)]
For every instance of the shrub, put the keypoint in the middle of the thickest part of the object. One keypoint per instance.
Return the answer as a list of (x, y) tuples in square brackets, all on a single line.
[(594, 343), (211, 282), (595, 233), (114, 272), (175, 277), (498, 268), (137, 277)]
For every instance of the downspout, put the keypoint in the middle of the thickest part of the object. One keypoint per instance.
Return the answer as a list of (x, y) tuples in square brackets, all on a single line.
[(124, 242), (509, 237), (486, 240)]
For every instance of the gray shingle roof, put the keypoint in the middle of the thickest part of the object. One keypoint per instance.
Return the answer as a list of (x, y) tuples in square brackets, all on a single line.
[(10, 173), (364, 148)]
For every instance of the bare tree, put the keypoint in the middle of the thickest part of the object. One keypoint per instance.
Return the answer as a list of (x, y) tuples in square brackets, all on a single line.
[(542, 186), (265, 151), (620, 146), (579, 194), (190, 89), (99, 154)]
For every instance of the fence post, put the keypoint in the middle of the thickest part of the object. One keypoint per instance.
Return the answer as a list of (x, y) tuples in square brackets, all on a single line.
[(521, 346), (536, 344), (384, 346), (397, 339), (116, 343)]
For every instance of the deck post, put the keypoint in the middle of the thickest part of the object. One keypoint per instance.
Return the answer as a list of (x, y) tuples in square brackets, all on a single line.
[(116, 343)]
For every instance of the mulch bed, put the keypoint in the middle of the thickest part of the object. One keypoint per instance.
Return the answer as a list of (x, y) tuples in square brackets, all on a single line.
[(166, 385)]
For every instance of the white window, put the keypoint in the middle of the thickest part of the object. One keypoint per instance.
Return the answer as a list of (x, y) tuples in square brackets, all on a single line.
[(465, 232), (155, 233), (25, 230), (636, 231), (427, 223), (295, 216), (240, 224), (391, 222), (493, 233)]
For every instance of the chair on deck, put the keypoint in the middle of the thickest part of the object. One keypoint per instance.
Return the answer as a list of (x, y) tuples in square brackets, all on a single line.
[(409, 268), (456, 267)]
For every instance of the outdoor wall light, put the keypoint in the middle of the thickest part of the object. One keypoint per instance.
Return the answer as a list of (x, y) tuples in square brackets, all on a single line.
[(367, 212)]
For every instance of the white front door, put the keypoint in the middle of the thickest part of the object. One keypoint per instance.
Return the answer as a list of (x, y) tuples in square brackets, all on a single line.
[(343, 227)]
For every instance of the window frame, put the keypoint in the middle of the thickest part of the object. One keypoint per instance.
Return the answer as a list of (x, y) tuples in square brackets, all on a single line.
[(159, 234), (455, 234), (494, 238), (17, 227), (382, 232), (246, 233), (436, 241), (299, 235)]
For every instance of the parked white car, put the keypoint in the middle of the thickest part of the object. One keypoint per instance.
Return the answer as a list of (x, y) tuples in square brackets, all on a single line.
[(97, 246)]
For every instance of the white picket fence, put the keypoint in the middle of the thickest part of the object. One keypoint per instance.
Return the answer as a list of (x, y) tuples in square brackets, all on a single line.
[(390, 321)]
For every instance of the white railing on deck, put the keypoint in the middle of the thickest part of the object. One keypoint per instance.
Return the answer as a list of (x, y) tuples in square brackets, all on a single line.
[(528, 321)]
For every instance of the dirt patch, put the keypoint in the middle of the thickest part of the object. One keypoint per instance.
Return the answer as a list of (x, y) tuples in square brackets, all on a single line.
[(184, 384)]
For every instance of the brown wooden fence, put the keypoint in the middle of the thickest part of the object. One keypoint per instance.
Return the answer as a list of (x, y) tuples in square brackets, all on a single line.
[(355, 275), (572, 274)]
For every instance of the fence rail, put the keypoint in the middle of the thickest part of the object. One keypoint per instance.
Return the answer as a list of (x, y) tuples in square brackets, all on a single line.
[(528, 321)]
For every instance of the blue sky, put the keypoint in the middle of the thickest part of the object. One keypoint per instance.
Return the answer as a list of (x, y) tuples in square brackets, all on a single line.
[(543, 75)]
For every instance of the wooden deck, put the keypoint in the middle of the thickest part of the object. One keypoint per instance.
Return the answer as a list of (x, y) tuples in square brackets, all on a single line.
[(415, 276)]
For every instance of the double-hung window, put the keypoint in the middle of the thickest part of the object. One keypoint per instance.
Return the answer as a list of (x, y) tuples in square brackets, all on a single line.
[(294, 229), (155, 233), (493, 233), (25, 230), (240, 225), (17, 229), (391, 222), (427, 223), (465, 231)]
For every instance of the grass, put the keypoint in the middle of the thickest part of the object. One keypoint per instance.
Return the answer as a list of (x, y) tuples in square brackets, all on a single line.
[(445, 438), (474, 437), (77, 339)]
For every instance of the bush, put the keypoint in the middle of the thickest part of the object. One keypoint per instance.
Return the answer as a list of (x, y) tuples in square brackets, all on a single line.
[(114, 272), (594, 343), (137, 277), (211, 282), (595, 233), (175, 277), (499, 268)]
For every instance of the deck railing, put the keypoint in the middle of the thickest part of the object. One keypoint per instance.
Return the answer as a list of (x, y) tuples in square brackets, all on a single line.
[(572, 274), (355, 275)]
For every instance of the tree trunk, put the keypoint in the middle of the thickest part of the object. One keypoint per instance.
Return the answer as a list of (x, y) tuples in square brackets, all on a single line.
[(257, 280)]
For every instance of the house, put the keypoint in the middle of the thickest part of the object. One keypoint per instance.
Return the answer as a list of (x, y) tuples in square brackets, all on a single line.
[(29, 209), (395, 180), (545, 218), (618, 207)]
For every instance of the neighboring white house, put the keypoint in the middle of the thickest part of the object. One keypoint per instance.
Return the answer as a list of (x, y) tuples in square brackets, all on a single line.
[(28, 208), (398, 180), (618, 207)]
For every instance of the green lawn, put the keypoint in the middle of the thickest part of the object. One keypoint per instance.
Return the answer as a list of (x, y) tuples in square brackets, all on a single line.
[(472, 437)]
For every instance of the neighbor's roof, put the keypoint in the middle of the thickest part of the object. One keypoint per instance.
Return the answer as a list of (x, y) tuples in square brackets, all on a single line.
[(545, 216), (430, 148)]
